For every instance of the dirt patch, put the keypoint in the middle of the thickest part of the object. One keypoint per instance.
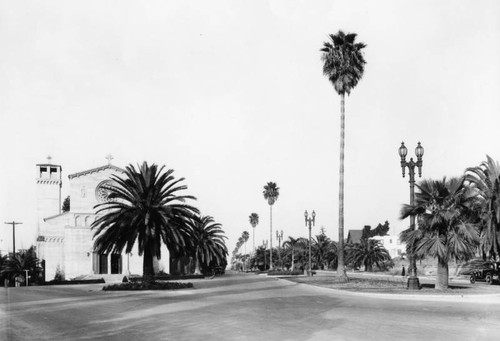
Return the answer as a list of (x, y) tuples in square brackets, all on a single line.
[(388, 287)]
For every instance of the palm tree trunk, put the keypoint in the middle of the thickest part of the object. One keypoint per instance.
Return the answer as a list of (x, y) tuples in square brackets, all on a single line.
[(340, 268), (442, 275), (271, 239), (495, 240), (293, 259), (197, 270), (148, 271), (245, 258), (253, 241)]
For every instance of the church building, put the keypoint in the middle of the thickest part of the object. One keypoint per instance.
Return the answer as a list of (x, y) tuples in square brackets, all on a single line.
[(65, 240)]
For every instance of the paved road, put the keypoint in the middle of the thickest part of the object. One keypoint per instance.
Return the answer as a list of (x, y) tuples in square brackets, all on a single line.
[(240, 307)]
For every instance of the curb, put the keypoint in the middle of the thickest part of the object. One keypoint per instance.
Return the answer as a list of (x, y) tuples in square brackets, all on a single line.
[(467, 298)]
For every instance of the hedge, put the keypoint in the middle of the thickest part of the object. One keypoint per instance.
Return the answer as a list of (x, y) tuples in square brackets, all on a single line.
[(285, 273), (79, 281), (144, 286), (136, 278)]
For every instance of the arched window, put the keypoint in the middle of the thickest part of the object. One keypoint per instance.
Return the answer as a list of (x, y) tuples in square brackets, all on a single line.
[(78, 220)]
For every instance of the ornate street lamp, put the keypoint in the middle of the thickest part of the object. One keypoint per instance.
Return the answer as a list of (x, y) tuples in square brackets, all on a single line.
[(279, 236), (309, 221), (413, 282)]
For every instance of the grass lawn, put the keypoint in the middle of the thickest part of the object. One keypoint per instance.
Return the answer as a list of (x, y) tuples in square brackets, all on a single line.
[(390, 286)]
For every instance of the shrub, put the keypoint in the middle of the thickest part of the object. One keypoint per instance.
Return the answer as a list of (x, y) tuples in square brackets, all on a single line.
[(144, 286), (59, 276), (165, 277), (81, 281), (285, 273)]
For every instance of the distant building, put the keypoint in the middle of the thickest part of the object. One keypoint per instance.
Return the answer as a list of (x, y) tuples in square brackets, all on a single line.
[(354, 236), (392, 245), (64, 240)]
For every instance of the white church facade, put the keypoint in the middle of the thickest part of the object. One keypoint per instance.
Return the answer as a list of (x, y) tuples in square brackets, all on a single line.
[(65, 240)]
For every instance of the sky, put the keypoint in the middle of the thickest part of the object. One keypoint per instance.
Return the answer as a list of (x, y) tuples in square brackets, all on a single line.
[(231, 95)]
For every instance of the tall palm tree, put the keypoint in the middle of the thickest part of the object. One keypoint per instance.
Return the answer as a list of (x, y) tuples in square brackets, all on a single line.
[(271, 193), (367, 252), (444, 231), (343, 64), (486, 182), (208, 242), (254, 221), (145, 206)]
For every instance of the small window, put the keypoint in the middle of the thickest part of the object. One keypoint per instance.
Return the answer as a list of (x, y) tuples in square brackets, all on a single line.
[(53, 169)]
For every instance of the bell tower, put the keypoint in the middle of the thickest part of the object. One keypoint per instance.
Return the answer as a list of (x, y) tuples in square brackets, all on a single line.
[(48, 185)]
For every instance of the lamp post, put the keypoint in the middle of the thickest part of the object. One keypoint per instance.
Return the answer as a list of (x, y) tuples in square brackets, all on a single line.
[(309, 221), (413, 282), (264, 244), (279, 236)]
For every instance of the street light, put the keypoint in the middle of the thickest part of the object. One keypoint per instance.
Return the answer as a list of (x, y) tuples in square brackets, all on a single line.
[(279, 236), (413, 282), (309, 221)]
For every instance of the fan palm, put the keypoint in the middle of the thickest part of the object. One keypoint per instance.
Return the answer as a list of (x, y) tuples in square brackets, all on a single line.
[(254, 221), (343, 64), (271, 194), (208, 242), (145, 206), (367, 252), (486, 181), (444, 231)]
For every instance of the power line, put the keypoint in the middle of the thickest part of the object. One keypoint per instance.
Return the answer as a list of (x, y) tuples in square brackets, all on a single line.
[(13, 223)]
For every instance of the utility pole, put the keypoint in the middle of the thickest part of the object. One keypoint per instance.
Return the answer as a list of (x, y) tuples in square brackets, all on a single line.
[(13, 223)]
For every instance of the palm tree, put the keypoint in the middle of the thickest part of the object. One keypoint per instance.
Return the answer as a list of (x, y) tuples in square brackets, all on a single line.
[(271, 193), (14, 265), (301, 252), (344, 66), (322, 248), (254, 221), (144, 207), (444, 231), (208, 242), (291, 245), (367, 252), (485, 180), (245, 237)]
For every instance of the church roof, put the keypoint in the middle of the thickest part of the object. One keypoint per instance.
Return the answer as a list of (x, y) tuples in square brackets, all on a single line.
[(56, 216), (95, 170)]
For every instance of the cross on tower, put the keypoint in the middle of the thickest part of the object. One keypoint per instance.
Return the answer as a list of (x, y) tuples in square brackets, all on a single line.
[(49, 158), (109, 157)]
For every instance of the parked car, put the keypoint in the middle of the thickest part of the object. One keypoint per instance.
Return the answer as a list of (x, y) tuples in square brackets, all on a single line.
[(483, 271)]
